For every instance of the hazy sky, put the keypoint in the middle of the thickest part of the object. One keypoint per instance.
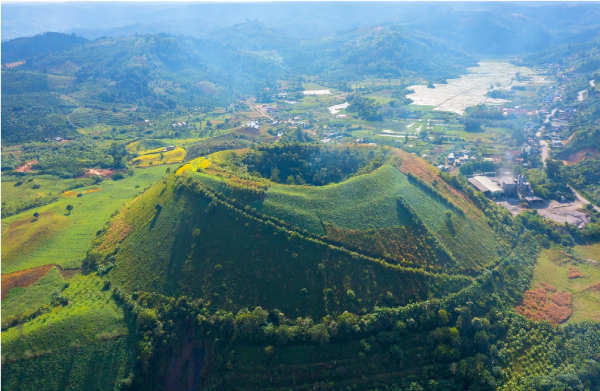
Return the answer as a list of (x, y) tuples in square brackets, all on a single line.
[(255, 1)]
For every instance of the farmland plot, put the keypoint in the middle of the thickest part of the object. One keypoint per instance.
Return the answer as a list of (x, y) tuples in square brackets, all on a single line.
[(471, 89)]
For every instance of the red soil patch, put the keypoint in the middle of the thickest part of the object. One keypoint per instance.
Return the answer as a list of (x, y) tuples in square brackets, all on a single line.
[(586, 153), (574, 273), (593, 288), (99, 172), (544, 303), (14, 64), (23, 278), (116, 233), (27, 166)]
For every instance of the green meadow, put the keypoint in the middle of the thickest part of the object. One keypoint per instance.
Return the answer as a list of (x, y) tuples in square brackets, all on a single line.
[(25, 302), (60, 237)]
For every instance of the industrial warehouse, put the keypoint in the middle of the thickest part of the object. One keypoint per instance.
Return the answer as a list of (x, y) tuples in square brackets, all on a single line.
[(497, 187)]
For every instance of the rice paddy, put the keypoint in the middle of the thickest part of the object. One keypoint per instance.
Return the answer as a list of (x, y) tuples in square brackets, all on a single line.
[(468, 90)]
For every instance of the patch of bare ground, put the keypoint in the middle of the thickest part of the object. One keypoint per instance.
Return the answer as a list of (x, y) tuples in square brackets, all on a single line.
[(586, 153), (99, 172), (545, 303), (574, 273), (558, 212), (14, 64), (593, 288), (23, 278), (27, 167)]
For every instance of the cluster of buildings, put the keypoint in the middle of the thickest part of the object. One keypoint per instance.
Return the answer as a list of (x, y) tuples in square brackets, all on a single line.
[(506, 187), (253, 124), (457, 158)]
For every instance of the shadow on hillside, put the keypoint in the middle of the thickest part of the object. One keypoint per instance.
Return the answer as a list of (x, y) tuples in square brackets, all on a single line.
[(155, 218)]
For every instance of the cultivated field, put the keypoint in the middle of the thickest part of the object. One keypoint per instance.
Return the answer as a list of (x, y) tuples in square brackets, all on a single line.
[(580, 278), (159, 156), (468, 90), (62, 238), (89, 314)]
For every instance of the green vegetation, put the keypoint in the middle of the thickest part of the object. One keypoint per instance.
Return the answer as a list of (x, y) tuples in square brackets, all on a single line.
[(63, 238), (194, 261), (81, 314), (79, 337), (28, 301), (280, 244)]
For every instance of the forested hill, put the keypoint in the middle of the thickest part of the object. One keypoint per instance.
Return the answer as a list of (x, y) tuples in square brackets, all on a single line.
[(20, 49), (162, 72), (236, 56), (383, 51), (583, 56)]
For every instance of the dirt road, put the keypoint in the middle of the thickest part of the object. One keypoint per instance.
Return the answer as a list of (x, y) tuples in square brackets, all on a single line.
[(549, 115), (581, 198), (544, 151)]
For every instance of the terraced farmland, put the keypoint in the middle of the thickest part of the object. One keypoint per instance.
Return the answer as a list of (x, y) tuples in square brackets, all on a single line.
[(84, 118)]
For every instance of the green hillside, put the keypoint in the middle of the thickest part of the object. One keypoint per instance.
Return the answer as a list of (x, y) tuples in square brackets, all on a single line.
[(416, 222), (171, 238), (370, 202), (79, 337)]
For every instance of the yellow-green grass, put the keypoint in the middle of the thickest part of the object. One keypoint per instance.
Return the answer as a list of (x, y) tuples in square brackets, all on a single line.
[(27, 301), (591, 251), (552, 268), (159, 156), (95, 129), (193, 165), (57, 237), (382, 97), (26, 195), (90, 315), (143, 146)]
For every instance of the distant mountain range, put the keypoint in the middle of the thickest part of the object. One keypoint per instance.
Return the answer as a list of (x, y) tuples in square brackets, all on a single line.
[(512, 28)]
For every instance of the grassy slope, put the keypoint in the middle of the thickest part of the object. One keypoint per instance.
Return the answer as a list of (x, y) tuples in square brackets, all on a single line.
[(176, 251), (15, 197), (56, 238), (364, 202), (98, 366), (34, 297), (552, 268), (369, 201), (90, 316), (82, 345), (157, 157)]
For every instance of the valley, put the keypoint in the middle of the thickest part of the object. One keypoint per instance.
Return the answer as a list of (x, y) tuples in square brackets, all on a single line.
[(472, 89)]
